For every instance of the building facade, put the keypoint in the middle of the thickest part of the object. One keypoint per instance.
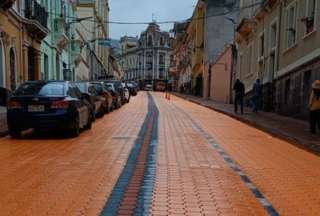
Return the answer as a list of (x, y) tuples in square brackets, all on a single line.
[(279, 42), (92, 28), (57, 61), (23, 26), (148, 58), (221, 79), (201, 41)]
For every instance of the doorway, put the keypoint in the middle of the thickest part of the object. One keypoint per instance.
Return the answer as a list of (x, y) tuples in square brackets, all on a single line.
[(31, 64), (2, 66), (13, 69)]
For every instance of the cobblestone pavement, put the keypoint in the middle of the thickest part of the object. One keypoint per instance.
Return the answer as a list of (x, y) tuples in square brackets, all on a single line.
[(162, 157), (294, 130), (196, 178), (61, 177)]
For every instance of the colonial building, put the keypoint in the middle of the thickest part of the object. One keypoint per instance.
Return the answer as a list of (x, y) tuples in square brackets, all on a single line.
[(181, 69), (200, 41), (23, 26), (147, 59), (92, 27), (57, 61), (279, 42)]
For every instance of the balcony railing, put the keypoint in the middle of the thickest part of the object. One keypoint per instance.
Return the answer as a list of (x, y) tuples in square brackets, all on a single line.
[(35, 11), (6, 4)]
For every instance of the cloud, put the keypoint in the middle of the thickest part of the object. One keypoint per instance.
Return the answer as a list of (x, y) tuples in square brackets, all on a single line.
[(142, 10)]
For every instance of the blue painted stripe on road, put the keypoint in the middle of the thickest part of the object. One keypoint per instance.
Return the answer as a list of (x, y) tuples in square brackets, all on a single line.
[(146, 191), (233, 165), (113, 204)]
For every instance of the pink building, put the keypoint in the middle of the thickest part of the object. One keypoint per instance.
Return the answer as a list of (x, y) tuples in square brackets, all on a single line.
[(221, 77)]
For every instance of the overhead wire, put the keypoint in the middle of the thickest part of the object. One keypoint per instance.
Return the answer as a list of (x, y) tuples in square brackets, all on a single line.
[(167, 21)]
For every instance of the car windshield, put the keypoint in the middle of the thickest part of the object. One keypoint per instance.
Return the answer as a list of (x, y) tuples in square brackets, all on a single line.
[(82, 87), (109, 85), (98, 88), (41, 89)]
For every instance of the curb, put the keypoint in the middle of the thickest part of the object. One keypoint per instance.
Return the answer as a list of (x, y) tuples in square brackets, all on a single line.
[(293, 141)]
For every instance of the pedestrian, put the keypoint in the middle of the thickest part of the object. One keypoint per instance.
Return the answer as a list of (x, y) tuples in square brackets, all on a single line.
[(256, 96), (314, 106), (239, 94)]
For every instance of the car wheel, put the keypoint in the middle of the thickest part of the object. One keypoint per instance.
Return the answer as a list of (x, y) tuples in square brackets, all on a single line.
[(75, 131), (15, 132), (89, 123)]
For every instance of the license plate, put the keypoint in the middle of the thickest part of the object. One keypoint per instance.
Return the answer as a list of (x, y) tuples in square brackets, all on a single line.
[(36, 108)]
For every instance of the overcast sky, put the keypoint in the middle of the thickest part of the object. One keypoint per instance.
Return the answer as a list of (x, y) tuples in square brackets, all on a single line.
[(142, 10)]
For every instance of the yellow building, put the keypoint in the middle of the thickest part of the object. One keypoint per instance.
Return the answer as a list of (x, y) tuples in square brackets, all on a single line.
[(195, 32), (22, 28)]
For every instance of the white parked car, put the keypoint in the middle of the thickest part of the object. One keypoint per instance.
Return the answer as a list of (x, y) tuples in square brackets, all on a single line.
[(148, 87)]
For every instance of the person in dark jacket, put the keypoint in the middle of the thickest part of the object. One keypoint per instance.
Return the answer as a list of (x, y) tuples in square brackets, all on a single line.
[(239, 94), (314, 106), (256, 96)]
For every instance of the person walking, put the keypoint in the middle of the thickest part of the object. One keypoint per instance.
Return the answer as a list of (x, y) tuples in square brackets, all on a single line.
[(314, 106), (256, 96), (239, 94)]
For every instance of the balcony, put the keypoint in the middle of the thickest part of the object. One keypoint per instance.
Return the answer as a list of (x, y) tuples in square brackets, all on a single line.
[(86, 3), (6, 4), (60, 35), (36, 19)]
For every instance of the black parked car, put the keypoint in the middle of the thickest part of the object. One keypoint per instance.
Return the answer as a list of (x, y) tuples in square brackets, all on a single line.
[(116, 97), (48, 105), (102, 91), (117, 85), (133, 88), (96, 101)]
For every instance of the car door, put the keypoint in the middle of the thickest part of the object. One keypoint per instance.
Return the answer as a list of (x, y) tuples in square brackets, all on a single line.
[(97, 101), (82, 106)]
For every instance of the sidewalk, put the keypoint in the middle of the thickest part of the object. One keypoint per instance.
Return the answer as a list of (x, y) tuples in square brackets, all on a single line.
[(293, 130), (3, 121)]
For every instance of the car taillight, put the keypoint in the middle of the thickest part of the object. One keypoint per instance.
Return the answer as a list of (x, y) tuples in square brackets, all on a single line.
[(14, 105), (60, 105)]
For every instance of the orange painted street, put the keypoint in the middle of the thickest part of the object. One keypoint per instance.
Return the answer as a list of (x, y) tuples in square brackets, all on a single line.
[(195, 161)]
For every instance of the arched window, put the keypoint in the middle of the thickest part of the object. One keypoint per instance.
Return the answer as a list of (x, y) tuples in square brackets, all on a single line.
[(161, 59), (149, 62), (161, 41), (2, 66), (150, 40), (13, 71)]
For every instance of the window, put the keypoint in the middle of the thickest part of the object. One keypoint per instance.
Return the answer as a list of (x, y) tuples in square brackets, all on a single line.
[(261, 46), (287, 91), (45, 67), (272, 63), (309, 19), (273, 35), (249, 58), (161, 59), (150, 40), (161, 41), (13, 75), (240, 65), (149, 62), (41, 89), (291, 31)]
